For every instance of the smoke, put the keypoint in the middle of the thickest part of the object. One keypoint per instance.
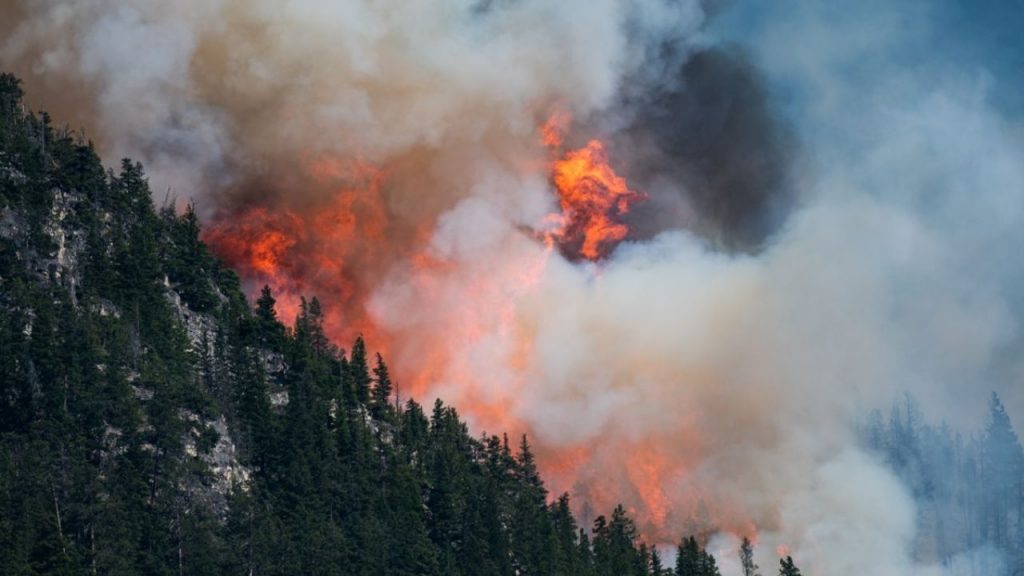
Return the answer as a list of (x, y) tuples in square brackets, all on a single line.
[(228, 87), (708, 140), (386, 156)]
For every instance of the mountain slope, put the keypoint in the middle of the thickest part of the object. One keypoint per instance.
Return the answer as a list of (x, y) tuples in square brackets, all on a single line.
[(152, 423)]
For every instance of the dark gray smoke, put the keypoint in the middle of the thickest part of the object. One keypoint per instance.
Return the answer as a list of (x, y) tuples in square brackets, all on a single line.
[(712, 155)]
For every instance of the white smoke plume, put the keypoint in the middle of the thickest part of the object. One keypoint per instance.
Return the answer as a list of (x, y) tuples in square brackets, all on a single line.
[(229, 85), (706, 390)]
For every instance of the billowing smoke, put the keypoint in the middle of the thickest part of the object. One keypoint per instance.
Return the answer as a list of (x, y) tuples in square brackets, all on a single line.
[(707, 147), (708, 373)]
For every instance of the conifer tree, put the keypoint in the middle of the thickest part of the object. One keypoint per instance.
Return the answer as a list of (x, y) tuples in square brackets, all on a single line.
[(317, 338), (1003, 471), (380, 404), (532, 539), (657, 569), (566, 534), (687, 557), (359, 371), (747, 558), (787, 567), (265, 305), (585, 554), (693, 560), (622, 554), (601, 546)]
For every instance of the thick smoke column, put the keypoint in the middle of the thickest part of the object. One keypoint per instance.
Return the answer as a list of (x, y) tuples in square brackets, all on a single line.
[(388, 155), (706, 145)]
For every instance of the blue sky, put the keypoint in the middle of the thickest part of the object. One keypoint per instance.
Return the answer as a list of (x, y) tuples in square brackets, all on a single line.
[(938, 37)]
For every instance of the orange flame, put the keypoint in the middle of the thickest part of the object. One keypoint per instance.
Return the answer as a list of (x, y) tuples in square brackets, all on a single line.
[(552, 133), (647, 471), (592, 196), (323, 249)]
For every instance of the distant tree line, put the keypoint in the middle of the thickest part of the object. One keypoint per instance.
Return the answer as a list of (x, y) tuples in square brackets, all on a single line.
[(969, 489)]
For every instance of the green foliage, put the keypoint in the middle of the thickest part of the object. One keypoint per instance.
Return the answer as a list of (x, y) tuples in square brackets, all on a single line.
[(380, 396), (693, 560), (359, 371)]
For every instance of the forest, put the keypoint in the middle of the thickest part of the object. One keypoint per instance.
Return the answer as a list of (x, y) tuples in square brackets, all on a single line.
[(154, 421)]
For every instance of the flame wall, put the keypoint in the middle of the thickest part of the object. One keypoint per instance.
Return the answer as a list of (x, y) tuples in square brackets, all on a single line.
[(392, 158)]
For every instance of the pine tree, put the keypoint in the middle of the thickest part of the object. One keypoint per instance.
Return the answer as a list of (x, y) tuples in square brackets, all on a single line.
[(566, 534), (265, 306), (787, 567), (601, 546), (657, 569), (693, 560), (532, 539), (747, 558), (315, 322), (359, 371), (688, 557), (708, 565), (380, 402), (188, 262), (642, 559), (584, 555), (623, 557), (1003, 468)]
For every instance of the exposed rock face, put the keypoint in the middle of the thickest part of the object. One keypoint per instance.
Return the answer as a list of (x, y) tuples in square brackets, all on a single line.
[(200, 328), (279, 399), (221, 459), (69, 241), (57, 258), (61, 263)]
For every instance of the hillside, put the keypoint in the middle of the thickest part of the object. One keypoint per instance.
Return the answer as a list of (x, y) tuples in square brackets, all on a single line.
[(152, 423)]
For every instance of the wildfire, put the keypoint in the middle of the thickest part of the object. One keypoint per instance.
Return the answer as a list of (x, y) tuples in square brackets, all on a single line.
[(552, 133), (258, 242), (647, 470), (326, 249), (592, 196), (341, 245)]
